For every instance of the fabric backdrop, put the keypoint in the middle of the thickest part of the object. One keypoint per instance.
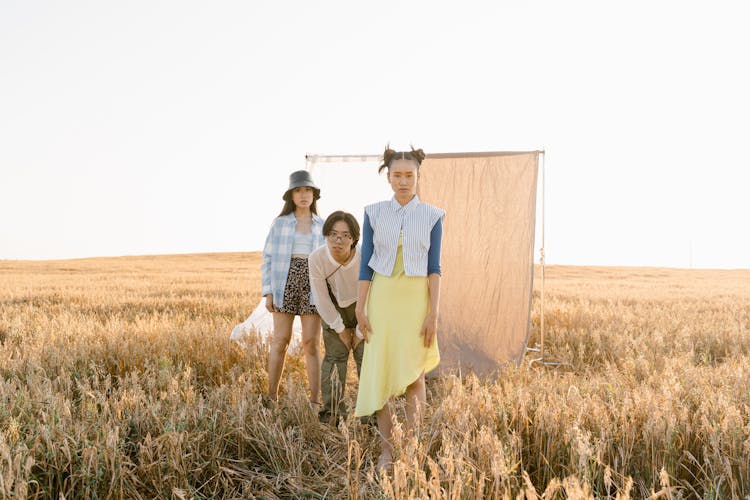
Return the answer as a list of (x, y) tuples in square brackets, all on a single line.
[(488, 245), (487, 257)]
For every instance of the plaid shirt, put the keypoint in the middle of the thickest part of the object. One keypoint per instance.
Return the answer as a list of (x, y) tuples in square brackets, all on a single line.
[(277, 254)]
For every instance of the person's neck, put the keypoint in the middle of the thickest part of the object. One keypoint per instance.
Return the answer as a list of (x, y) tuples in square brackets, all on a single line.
[(404, 200), (346, 259), (302, 213)]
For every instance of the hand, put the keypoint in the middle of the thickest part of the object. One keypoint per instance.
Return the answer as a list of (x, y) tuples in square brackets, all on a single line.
[(346, 337), (429, 329), (364, 324), (355, 340), (269, 303)]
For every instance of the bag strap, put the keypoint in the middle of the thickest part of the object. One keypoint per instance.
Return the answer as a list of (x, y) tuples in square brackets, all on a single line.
[(330, 291), (334, 272)]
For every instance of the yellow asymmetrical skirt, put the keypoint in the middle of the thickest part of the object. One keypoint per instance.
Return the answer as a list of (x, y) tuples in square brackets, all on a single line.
[(395, 356)]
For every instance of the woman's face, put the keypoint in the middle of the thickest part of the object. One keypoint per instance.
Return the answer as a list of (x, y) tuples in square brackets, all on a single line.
[(303, 197), (403, 174)]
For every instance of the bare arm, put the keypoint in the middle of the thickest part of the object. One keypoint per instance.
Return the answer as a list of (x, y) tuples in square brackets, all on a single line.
[(429, 327), (364, 325), (365, 275)]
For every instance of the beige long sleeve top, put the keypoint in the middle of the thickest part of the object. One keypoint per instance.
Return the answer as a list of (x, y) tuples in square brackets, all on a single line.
[(343, 281)]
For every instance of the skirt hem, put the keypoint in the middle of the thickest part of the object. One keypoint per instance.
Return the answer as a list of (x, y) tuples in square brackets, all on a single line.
[(426, 369)]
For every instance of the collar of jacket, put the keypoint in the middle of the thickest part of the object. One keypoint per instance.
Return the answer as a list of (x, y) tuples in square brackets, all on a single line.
[(396, 206), (290, 218)]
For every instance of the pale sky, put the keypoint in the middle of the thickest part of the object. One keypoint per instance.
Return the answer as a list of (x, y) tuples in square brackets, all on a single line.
[(149, 127)]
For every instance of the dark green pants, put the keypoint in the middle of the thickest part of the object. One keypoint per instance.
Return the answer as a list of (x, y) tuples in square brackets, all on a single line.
[(333, 370)]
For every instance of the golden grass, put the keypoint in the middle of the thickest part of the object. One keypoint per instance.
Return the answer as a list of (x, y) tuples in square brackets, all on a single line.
[(119, 380)]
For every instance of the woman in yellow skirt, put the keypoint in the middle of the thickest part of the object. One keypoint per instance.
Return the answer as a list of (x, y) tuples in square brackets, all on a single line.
[(398, 298)]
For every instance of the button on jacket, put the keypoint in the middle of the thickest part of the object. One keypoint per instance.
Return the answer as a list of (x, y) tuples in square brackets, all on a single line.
[(277, 254), (414, 221)]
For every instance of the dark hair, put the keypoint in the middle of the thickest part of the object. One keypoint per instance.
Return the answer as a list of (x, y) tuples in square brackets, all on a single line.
[(340, 215), (390, 155), (289, 205)]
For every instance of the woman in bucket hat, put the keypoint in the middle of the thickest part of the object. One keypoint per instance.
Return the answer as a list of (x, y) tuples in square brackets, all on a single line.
[(294, 234)]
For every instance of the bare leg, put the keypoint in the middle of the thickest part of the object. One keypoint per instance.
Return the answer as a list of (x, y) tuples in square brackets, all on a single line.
[(282, 334), (385, 429), (416, 398), (311, 347)]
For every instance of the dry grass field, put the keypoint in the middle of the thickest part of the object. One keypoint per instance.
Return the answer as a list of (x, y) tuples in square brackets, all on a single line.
[(119, 381)]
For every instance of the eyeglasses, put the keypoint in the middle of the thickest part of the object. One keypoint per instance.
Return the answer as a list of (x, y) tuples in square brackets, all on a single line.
[(333, 236)]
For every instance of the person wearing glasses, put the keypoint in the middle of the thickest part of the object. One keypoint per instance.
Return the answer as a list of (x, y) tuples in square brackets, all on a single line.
[(398, 298), (334, 272), (294, 234)]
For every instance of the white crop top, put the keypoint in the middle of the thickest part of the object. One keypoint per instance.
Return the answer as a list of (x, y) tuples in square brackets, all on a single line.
[(303, 244)]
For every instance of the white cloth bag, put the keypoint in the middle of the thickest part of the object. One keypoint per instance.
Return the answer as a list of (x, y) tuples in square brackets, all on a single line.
[(260, 322)]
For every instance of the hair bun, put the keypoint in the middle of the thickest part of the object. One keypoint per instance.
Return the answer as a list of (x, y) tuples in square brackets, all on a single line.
[(418, 154), (388, 155)]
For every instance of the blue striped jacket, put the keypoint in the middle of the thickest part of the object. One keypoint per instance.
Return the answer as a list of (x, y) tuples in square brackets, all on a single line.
[(389, 219), (277, 254)]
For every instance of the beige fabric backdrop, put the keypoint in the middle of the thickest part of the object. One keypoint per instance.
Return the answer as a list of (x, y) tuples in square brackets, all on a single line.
[(487, 257)]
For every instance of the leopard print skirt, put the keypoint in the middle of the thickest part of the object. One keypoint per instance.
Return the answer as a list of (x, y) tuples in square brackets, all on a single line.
[(297, 289)]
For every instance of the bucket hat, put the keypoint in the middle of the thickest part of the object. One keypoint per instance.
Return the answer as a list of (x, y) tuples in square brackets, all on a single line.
[(301, 178)]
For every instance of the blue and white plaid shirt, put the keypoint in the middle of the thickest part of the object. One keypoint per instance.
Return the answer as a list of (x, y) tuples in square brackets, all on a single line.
[(277, 254)]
